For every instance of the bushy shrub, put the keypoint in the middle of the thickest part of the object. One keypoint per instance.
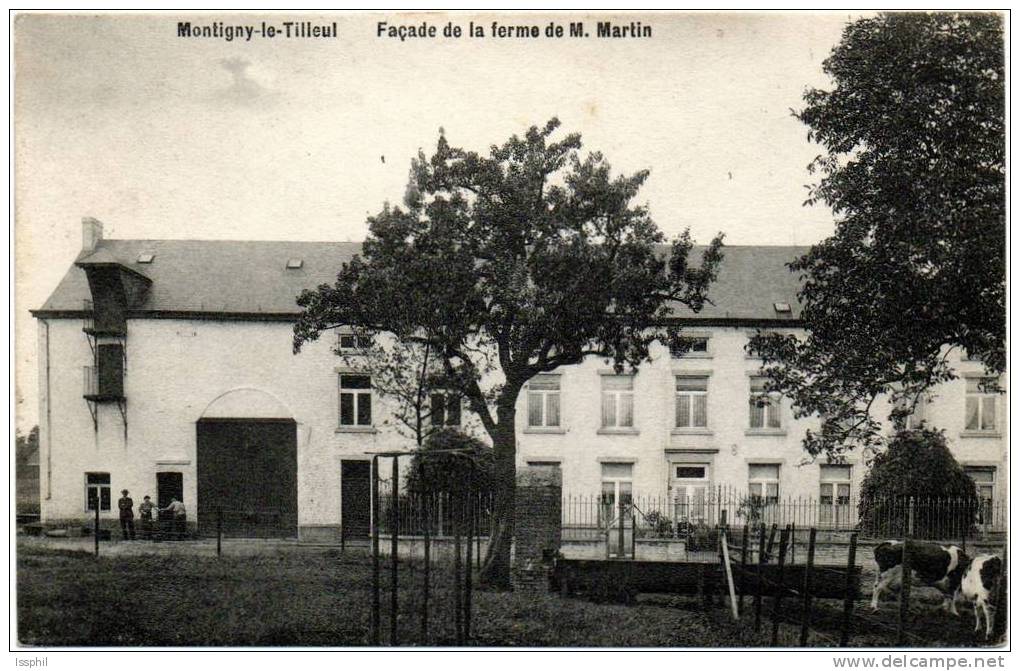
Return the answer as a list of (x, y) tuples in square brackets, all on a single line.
[(917, 473)]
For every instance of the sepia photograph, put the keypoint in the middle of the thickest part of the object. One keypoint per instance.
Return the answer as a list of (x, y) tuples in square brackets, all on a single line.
[(510, 330)]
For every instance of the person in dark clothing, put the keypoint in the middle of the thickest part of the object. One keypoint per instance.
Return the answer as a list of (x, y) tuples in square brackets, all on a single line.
[(127, 516), (145, 510)]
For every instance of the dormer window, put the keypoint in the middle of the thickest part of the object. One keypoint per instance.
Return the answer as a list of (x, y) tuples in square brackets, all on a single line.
[(782, 308), (294, 264), (146, 257)]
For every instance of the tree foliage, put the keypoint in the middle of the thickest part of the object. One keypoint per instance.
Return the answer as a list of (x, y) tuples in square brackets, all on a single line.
[(914, 172), (448, 461), (512, 264)]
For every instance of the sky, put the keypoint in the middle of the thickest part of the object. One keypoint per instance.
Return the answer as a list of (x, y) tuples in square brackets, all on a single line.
[(161, 136)]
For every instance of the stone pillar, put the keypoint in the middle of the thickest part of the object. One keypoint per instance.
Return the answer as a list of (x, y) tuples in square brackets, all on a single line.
[(537, 524)]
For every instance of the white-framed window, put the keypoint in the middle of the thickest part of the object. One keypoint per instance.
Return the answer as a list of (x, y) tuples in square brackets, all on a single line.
[(981, 405), (617, 401), (689, 346), (544, 401), (765, 408), (617, 488), (984, 480), (444, 408), (763, 482), (691, 401), (355, 399), (97, 491), (834, 494), (351, 341)]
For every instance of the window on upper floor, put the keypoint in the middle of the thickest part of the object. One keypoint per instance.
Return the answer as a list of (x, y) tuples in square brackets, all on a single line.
[(690, 346), (444, 408), (765, 408), (981, 405), (351, 342), (916, 406), (544, 401), (355, 400), (691, 401), (97, 491), (617, 401)]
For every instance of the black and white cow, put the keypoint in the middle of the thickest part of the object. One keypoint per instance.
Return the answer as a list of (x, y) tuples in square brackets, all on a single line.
[(940, 566), (978, 586)]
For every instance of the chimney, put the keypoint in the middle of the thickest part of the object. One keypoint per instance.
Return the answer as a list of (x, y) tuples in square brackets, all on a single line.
[(91, 233)]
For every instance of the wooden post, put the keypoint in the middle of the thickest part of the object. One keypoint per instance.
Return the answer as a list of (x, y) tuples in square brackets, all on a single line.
[(848, 593), (901, 628), (743, 568), (376, 568), (806, 607), (219, 532), (784, 538), (999, 622), (758, 580), (394, 550), (702, 590), (772, 542), (467, 564), (95, 530), (724, 541)]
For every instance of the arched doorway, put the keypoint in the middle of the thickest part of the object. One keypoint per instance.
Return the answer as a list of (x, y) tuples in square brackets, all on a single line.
[(247, 466)]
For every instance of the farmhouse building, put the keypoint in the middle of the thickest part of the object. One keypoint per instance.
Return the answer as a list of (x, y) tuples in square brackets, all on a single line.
[(166, 368)]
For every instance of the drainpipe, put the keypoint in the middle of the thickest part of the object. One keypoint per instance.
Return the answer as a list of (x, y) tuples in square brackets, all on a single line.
[(49, 439)]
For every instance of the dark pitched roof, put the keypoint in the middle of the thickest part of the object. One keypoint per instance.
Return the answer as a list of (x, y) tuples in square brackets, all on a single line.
[(250, 278)]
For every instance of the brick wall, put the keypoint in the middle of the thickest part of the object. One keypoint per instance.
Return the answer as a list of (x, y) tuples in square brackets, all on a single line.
[(537, 527)]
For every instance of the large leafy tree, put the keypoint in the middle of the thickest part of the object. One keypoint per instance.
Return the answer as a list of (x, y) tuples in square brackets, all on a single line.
[(914, 171), (512, 264)]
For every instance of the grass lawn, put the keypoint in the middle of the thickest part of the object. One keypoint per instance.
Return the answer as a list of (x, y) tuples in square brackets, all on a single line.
[(307, 597)]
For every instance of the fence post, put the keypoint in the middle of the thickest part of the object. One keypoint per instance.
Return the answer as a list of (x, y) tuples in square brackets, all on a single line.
[(458, 603), (376, 568), (999, 622), (784, 538), (743, 569), (901, 633), (467, 563), (95, 531), (394, 549), (910, 517), (620, 539), (848, 595), (772, 542), (806, 608), (758, 579), (219, 532)]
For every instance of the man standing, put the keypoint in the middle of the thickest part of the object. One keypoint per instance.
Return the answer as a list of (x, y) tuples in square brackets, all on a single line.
[(127, 515), (145, 510), (180, 518)]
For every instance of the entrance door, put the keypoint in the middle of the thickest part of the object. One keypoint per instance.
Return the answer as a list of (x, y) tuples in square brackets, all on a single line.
[(355, 498), (169, 486), (690, 493)]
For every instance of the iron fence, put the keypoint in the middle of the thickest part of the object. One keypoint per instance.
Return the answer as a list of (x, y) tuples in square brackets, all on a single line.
[(437, 513), (590, 517)]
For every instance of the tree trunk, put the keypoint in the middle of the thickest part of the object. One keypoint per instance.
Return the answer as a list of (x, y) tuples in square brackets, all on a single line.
[(496, 567)]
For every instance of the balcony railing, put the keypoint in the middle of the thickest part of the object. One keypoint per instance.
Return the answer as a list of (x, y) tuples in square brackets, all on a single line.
[(88, 322)]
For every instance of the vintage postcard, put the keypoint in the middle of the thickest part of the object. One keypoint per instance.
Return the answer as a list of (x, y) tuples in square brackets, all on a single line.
[(511, 330)]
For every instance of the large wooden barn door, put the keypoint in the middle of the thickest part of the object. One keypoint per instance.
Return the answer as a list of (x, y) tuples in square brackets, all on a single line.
[(247, 468)]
